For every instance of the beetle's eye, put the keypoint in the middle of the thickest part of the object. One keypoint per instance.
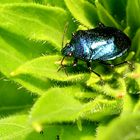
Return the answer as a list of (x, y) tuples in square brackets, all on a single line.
[(70, 54)]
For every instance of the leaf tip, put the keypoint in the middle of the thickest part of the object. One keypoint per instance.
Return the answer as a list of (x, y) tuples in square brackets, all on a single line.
[(12, 73), (38, 127)]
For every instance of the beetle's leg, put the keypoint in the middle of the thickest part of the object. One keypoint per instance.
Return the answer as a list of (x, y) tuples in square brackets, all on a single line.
[(125, 62), (89, 67), (75, 62), (61, 63), (131, 66), (62, 66), (105, 63)]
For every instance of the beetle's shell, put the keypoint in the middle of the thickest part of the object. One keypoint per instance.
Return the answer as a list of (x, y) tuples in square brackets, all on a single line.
[(105, 43)]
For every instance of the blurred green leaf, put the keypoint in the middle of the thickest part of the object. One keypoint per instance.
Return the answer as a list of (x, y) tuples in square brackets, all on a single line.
[(133, 80), (116, 8), (133, 16), (83, 11), (129, 104), (105, 17), (13, 99), (14, 127), (136, 45), (126, 127), (137, 107), (13, 1)]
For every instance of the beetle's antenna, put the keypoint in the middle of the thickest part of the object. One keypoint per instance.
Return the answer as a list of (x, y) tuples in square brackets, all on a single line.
[(64, 33)]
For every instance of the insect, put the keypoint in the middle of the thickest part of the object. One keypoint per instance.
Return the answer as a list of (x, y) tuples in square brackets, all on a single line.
[(102, 43)]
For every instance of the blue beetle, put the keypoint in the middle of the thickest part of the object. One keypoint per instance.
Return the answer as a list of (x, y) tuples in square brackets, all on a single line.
[(102, 43)]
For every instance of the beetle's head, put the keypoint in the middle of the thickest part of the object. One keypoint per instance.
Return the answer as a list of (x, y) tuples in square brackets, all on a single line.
[(67, 50)]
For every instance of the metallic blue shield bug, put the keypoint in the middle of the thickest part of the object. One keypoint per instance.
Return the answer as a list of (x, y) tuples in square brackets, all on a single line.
[(102, 43)]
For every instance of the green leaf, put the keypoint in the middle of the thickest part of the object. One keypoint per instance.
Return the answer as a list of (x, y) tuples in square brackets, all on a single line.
[(67, 132), (41, 68), (133, 16), (23, 27), (126, 127), (35, 22), (105, 17), (58, 3), (116, 8), (64, 131), (100, 109), (15, 127), (13, 99), (136, 45), (129, 104), (133, 80), (66, 107), (113, 87), (34, 84), (69, 105), (15, 55), (13, 1), (35, 74), (83, 11), (62, 108), (137, 107)]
